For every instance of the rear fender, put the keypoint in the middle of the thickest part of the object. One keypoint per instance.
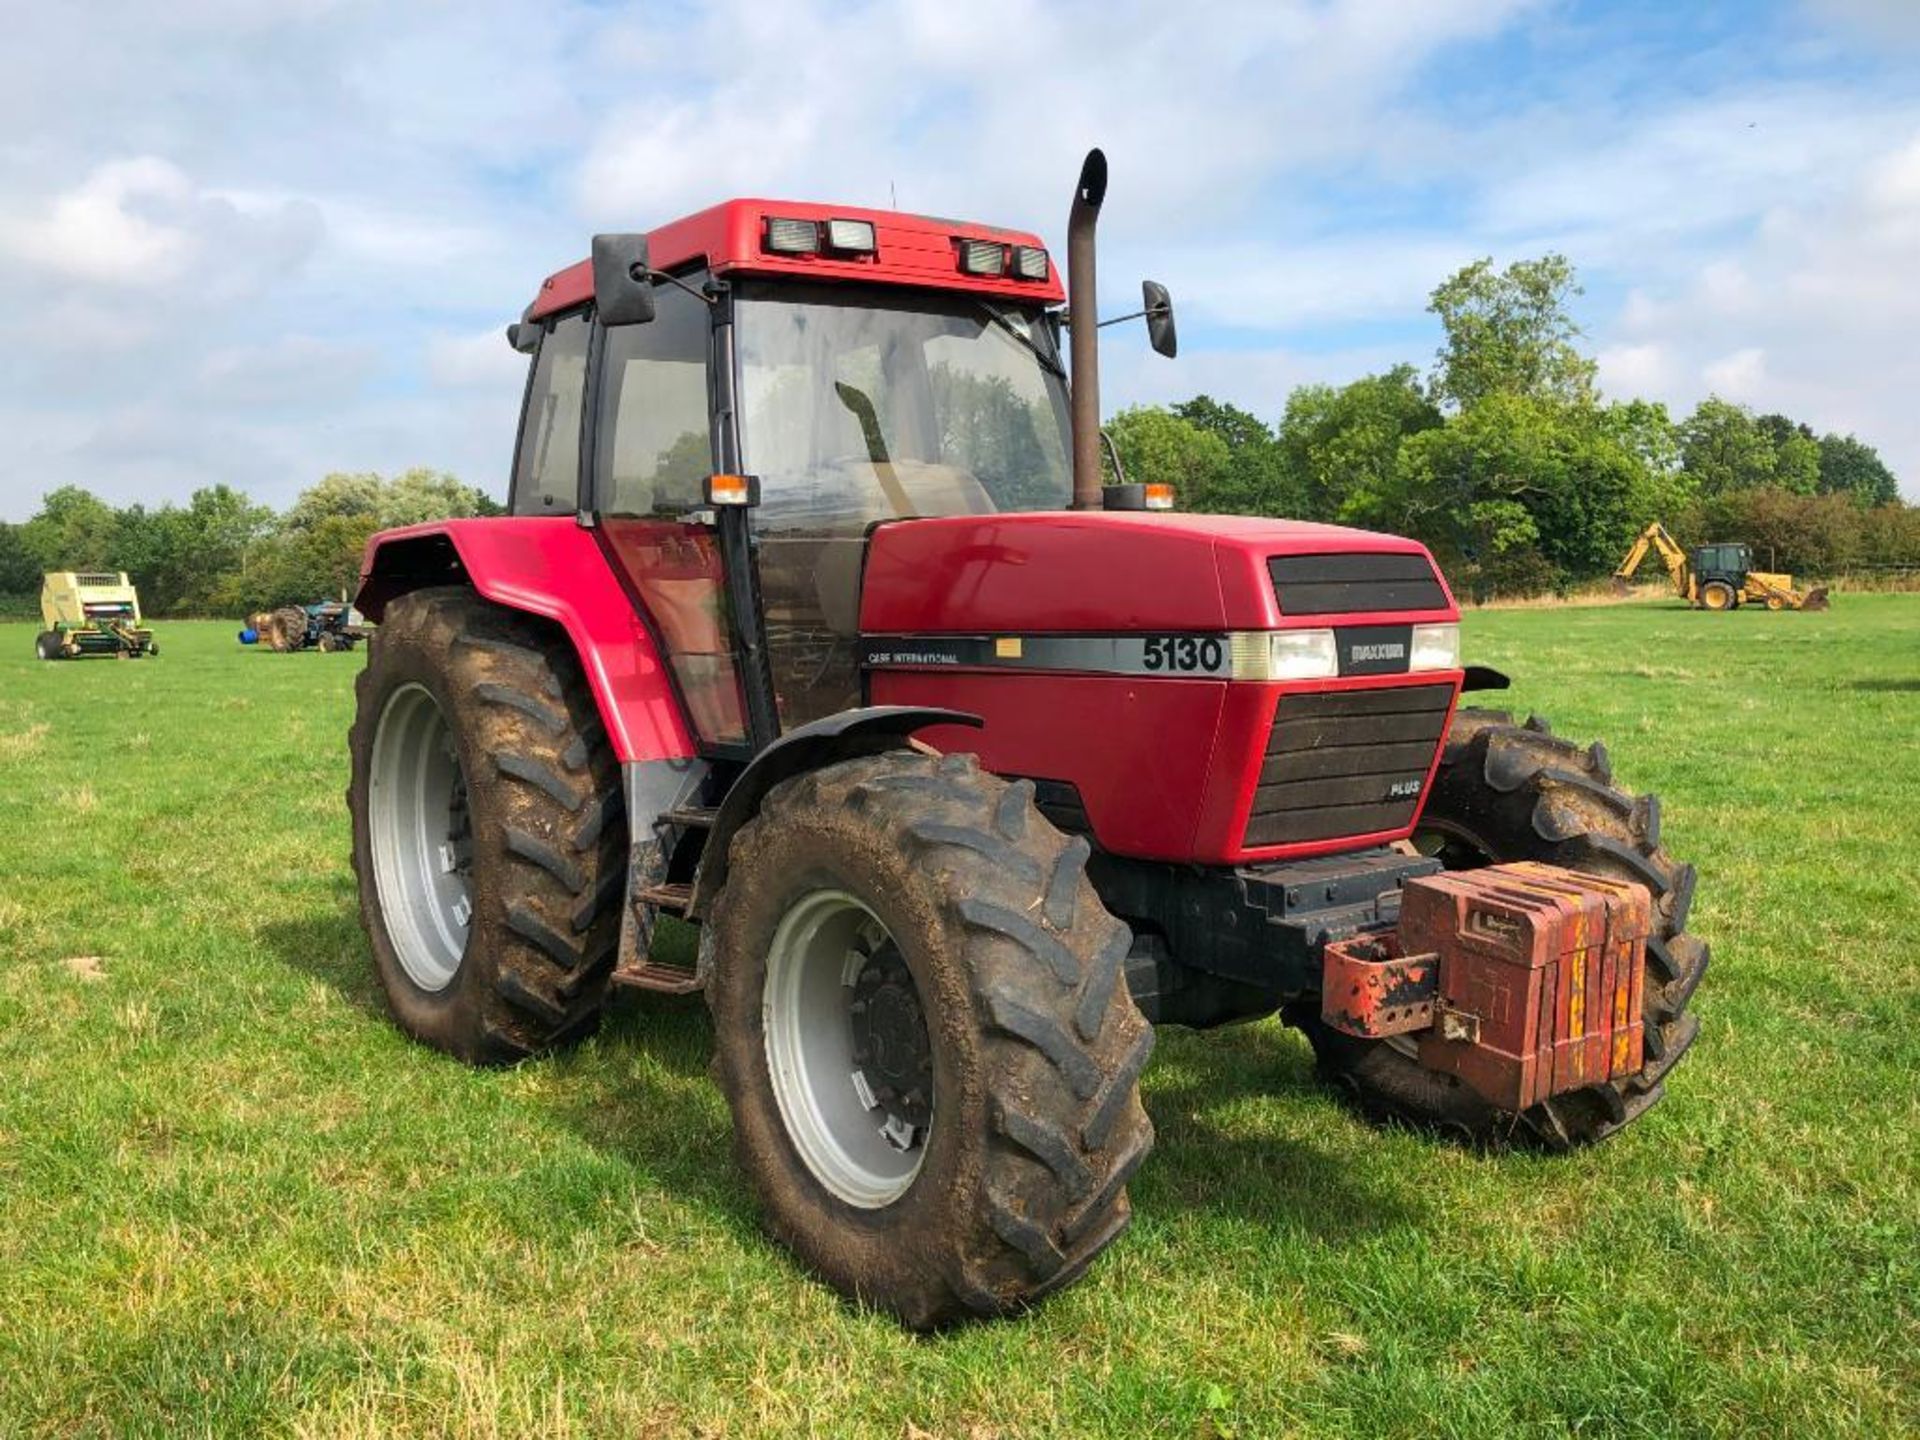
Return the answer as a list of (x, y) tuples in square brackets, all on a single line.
[(869, 731), (552, 568)]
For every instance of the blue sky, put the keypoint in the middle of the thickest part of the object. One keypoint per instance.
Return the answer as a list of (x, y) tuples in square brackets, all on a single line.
[(253, 241)]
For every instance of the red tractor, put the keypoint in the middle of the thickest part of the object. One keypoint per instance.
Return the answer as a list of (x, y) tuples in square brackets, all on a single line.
[(815, 624)]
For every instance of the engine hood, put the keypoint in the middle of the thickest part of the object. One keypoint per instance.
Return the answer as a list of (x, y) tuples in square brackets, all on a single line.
[(1094, 571)]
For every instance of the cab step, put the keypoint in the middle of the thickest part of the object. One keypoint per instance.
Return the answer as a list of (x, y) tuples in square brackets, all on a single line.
[(661, 979), (674, 898), (649, 974), (691, 817)]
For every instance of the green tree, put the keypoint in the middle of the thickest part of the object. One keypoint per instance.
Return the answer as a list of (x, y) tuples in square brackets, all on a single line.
[(420, 495), (74, 530), (361, 494), (1257, 481), (1339, 447), (1849, 466), (1510, 332), (1724, 448), (19, 573), (1157, 446)]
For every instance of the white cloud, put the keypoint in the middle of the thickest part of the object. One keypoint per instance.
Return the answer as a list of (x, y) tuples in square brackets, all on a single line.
[(1812, 313), (1740, 376), (1635, 369), (259, 241), (484, 361), (130, 222)]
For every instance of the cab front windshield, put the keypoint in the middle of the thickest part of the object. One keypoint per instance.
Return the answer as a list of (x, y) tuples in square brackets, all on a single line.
[(864, 403)]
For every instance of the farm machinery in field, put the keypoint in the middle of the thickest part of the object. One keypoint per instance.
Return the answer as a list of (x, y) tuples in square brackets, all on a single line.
[(1716, 577), (328, 626), (813, 623), (91, 613)]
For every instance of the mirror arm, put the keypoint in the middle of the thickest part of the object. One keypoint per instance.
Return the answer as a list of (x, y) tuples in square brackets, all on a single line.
[(1136, 315), (640, 272)]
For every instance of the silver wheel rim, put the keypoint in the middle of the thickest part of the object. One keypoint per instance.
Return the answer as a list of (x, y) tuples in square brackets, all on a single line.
[(421, 839), (846, 1137)]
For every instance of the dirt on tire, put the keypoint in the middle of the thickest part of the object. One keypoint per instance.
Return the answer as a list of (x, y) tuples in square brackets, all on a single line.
[(1037, 1046), (548, 825), (1508, 792)]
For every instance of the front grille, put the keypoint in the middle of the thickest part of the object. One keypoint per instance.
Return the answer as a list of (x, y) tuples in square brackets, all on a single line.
[(1347, 584), (1350, 762)]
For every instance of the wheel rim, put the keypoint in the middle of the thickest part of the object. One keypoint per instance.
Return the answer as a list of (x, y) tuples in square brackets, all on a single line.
[(847, 1049), (422, 837)]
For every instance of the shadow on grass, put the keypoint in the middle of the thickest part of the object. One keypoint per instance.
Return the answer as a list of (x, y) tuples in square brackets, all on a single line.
[(1887, 685), (1216, 1150), (328, 944), (639, 1094)]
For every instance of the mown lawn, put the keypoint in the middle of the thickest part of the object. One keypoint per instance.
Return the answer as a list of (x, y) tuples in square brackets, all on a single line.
[(236, 1201)]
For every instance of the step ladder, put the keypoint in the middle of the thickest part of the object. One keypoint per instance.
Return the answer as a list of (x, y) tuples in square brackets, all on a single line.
[(643, 972)]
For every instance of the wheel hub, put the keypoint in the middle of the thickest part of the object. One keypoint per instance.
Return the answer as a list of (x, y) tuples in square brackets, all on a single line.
[(890, 1047), (421, 834), (848, 1050)]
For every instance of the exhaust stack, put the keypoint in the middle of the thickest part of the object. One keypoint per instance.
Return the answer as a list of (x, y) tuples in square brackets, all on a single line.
[(1083, 321)]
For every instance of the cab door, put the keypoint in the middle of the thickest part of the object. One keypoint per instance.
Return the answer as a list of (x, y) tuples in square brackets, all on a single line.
[(653, 438)]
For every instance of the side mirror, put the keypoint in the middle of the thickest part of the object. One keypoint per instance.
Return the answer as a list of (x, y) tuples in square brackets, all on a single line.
[(622, 281), (524, 336), (1159, 307)]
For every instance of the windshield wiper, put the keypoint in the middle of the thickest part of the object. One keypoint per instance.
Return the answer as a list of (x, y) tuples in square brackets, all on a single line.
[(1045, 357)]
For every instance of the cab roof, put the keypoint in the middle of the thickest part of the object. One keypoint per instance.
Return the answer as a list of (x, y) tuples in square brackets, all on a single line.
[(730, 239)]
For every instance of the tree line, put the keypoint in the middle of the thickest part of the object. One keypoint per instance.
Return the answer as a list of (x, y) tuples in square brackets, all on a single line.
[(221, 553), (1510, 465), (1505, 459)]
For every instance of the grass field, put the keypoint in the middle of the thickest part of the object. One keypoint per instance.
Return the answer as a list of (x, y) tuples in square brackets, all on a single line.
[(237, 1201)]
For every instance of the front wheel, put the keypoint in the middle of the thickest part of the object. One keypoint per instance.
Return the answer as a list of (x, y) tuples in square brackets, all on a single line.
[(1506, 792), (488, 834), (923, 1033)]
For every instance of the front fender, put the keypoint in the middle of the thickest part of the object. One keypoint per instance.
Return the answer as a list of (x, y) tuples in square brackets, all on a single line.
[(871, 730), (553, 568)]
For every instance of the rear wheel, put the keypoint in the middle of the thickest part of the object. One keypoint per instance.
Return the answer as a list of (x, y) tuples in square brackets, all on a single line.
[(46, 645), (923, 1033), (1717, 595), (488, 833), (1507, 792)]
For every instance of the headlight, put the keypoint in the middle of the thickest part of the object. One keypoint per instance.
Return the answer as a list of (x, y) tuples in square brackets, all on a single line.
[(1285, 655), (1434, 647)]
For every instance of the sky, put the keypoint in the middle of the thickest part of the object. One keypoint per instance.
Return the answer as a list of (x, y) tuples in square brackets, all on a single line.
[(255, 241)]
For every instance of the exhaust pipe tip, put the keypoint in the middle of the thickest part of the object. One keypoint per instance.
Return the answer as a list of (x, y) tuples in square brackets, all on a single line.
[(1084, 329), (1093, 181)]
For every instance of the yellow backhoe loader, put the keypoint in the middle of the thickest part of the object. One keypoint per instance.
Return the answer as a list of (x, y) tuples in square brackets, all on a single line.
[(1717, 577)]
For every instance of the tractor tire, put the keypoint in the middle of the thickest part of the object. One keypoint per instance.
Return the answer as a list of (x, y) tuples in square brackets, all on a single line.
[(991, 1165), (327, 645), (489, 831), (46, 645), (1506, 792), (288, 629), (1717, 595)]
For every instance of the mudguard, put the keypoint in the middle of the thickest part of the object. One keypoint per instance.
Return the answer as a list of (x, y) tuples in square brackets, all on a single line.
[(553, 568), (869, 731)]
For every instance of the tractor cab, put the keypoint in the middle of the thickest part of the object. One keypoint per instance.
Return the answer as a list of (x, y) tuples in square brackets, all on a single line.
[(1723, 562), (853, 368)]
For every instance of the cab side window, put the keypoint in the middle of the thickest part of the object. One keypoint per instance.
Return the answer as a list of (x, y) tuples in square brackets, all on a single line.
[(546, 481), (654, 449)]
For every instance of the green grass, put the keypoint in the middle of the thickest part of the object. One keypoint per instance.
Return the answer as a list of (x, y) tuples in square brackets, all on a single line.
[(237, 1201)]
